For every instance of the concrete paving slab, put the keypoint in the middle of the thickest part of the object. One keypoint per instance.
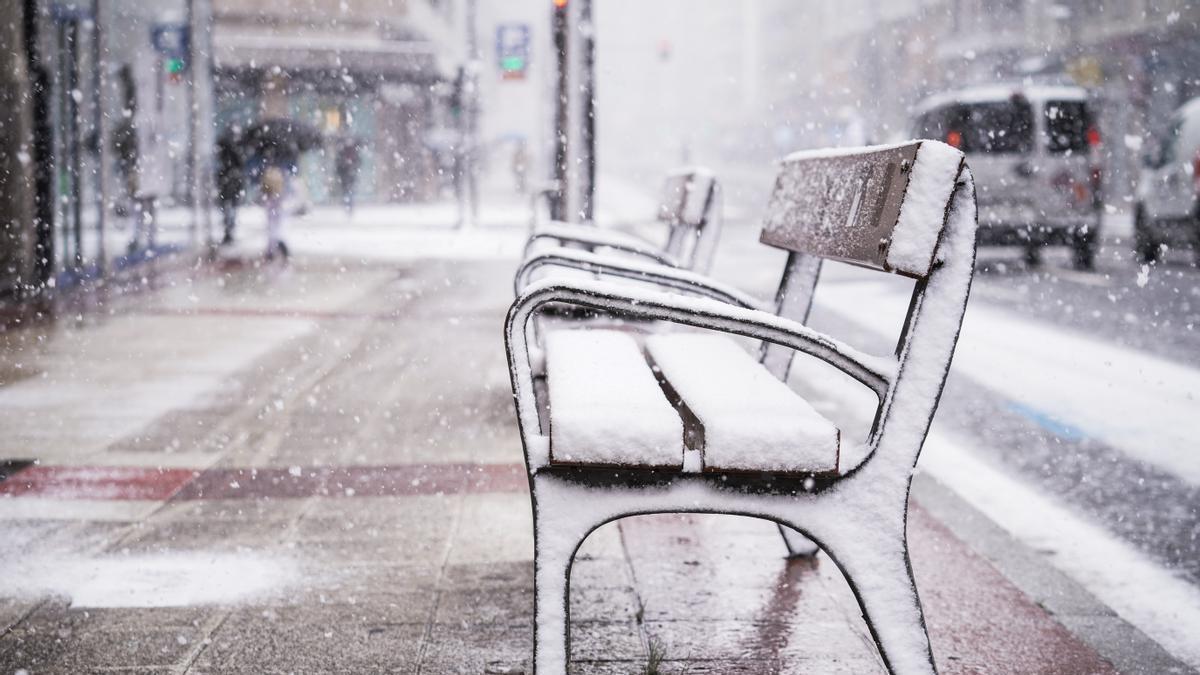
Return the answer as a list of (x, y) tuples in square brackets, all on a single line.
[(203, 535), (343, 640), (496, 575), (486, 648), (61, 640)]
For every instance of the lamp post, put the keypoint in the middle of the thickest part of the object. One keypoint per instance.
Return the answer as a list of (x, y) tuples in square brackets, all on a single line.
[(575, 113), (200, 116)]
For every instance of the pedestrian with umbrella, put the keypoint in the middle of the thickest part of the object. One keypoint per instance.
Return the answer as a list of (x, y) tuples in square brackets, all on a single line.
[(276, 145)]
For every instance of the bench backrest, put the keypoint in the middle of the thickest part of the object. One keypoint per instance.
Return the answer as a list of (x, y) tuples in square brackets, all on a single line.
[(689, 207), (907, 209)]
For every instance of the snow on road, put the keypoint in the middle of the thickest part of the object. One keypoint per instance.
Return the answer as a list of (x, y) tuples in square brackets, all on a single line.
[(1145, 406)]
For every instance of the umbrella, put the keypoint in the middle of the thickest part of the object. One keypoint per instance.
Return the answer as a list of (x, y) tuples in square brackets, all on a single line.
[(279, 141)]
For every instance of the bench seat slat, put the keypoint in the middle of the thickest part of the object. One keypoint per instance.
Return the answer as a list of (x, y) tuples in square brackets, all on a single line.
[(751, 421), (606, 407)]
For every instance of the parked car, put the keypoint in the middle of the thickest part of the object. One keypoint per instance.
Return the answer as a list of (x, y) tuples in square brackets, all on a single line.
[(1034, 151), (1168, 195)]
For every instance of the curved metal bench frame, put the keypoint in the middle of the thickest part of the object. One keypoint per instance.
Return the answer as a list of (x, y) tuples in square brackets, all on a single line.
[(691, 238), (858, 518)]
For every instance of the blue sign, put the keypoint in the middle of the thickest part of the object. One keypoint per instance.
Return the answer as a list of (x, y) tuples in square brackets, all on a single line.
[(172, 40)]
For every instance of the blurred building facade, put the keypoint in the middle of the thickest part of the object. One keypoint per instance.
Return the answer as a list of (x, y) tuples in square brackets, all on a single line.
[(377, 73), (99, 122)]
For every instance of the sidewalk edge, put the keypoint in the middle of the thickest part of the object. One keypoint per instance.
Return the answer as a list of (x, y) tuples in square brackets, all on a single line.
[(1125, 646)]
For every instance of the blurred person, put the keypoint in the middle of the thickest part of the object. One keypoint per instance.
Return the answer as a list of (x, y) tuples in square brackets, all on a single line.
[(127, 156), (274, 187), (346, 166), (231, 181), (520, 166)]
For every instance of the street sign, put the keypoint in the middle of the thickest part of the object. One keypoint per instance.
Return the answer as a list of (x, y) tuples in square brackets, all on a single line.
[(172, 40), (512, 50)]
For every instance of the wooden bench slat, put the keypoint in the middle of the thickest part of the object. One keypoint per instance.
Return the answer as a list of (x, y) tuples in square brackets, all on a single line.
[(606, 407), (750, 420)]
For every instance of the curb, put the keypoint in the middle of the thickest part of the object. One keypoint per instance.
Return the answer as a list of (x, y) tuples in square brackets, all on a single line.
[(1125, 646)]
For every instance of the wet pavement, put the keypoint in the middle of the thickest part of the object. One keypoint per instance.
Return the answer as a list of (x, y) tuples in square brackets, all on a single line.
[(316, 469)]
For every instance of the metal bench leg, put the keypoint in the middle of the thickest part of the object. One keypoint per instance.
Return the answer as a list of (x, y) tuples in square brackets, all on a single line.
[(878, 570), (798, 545), (554, 551)]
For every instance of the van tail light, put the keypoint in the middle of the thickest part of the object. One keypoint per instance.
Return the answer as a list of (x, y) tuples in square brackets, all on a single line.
[(1081, 192), (954, 139), (1093, 137), (1196, 171)]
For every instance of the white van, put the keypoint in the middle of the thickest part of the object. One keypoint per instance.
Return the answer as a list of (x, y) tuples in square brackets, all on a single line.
[(1168, 196), (1034, 151)]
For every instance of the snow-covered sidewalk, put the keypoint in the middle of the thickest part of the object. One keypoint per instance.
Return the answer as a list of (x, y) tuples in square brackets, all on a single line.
[(316, 469)]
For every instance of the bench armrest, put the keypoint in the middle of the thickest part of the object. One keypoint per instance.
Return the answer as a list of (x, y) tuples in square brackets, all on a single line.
[(659, 275), (594, 236), (875, 372)]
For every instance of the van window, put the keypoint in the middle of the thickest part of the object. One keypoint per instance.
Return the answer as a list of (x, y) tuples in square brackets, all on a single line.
[(996, 128), (1067, 124), (993, 127)]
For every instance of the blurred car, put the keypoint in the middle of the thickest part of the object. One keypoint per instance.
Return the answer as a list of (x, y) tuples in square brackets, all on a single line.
[(1034, 151), (1168, 195)]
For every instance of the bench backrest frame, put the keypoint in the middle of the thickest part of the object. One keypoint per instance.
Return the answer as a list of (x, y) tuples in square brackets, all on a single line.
[(941, 291), (689, 207)]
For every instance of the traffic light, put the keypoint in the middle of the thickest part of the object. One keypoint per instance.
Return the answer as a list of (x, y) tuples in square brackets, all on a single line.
[(513, 64), (172, 42), (174, 67)]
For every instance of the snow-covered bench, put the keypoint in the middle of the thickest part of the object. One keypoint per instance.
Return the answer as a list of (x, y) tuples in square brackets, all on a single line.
[(689, 422), (688, 207)]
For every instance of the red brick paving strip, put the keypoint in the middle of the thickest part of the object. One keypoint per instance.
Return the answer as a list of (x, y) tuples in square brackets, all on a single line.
[(978, 621), (133, 483), (107, 483)]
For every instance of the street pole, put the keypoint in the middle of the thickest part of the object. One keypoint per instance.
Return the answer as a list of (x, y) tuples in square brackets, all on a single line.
[(99, 82), (559, 29), (471, 112), (42, 150), (17, 246), (588, 93), (199, 88), (580, 130)]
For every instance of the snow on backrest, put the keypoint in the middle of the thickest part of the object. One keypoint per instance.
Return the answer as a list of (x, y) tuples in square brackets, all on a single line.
[(882, 206)]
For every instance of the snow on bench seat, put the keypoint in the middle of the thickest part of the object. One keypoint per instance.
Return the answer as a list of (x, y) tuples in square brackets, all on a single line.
[(751, 421), (606, 407)]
